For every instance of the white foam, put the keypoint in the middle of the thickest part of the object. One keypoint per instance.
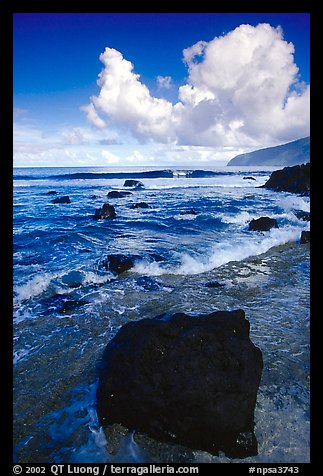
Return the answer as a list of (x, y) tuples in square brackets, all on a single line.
[(290, 202), (20, 355), (34, 287), (241, 218), (221, 253), (186, 216), (94, 278)]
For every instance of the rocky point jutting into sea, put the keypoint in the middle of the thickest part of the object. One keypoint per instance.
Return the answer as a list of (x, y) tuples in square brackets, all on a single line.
[(202, 275)]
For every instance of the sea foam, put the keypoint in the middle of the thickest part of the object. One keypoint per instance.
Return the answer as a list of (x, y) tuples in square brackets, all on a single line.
[(220, 254)]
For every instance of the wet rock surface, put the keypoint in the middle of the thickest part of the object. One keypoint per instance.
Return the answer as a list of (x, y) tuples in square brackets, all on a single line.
[(263, 224), (189, 380)]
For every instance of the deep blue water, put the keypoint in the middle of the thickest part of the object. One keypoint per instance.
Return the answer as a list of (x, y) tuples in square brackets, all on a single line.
[(66, 307)]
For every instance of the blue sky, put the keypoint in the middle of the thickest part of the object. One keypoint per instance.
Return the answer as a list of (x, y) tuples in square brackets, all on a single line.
[(175, 88)]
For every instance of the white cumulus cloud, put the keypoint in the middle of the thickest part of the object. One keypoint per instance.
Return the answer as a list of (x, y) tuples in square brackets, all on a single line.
[(242, 89), (164, 82)]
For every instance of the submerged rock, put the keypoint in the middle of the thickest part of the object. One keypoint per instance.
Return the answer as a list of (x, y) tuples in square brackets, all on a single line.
[(290, 179), (61, 303), (214, 284), (105, 212), (263, 224), (70, 306), (249, 177), (133, 183), (191, 211), (149, 284), (73, 278), (189, 380), (51, 192), (65, 199)]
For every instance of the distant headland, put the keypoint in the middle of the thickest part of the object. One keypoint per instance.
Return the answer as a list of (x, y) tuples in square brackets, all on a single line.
[(292, 153)]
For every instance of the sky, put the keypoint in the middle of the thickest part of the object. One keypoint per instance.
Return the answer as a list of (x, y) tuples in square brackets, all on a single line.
[(157, 89)]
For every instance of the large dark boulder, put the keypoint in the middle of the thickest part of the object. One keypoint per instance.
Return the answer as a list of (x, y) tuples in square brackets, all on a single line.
[(133, 183), (290, 179), (105, 212), (183, 379), (263, 224)]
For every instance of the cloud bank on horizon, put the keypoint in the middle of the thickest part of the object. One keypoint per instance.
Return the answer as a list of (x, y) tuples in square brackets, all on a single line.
[(242, 90)]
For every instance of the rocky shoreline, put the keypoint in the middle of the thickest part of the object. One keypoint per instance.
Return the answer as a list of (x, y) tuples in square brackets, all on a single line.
[(190, 380)]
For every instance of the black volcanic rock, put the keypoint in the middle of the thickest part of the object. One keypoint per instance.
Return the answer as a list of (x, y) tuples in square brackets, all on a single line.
[(290, 179), (302, 215), (189, 380), (214, 284), (117, 194), (305, 237), (65, 199), (133, 183), (263, 224), (118, 263), (140, 205), (105, 212)]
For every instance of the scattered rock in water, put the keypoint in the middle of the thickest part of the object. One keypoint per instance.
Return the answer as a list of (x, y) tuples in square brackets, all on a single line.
[(302, 215), (118, 263), (105, 212), (214, 284), (294, 179), (263, 224), (305, 237), (191, 211), (249, 178), (61, 303), (117, 194), (140, 205), (188, 380), (94, 196), (133, 183), (65, 199), (51, 192)]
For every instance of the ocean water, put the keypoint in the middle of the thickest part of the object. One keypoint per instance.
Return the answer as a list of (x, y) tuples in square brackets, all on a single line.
[(195, 231)]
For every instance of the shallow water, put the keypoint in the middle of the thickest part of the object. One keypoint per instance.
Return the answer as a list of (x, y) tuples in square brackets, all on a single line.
[(66, 308)]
